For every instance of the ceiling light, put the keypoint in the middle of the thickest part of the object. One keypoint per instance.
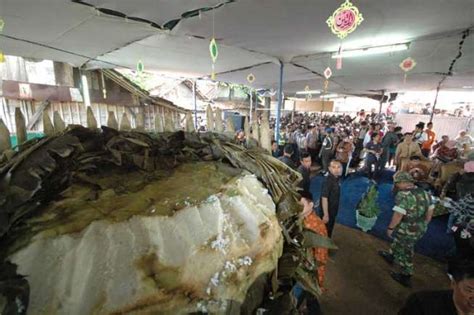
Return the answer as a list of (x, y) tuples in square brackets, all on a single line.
[(328, 95), (370, 51), (467, 87), (308, 92), (296, 99)]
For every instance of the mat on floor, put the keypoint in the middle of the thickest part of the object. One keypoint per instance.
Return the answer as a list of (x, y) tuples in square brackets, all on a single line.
[(436, 243)]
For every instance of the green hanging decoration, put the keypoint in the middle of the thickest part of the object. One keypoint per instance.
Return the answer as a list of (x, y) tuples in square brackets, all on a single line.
[(2, 56), (213, 50), (214, 53), (140, 67)]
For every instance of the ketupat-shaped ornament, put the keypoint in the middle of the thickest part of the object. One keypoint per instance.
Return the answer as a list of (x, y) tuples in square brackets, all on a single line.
[(251, 78), (408, 64), (345, 20), (327, 73), (308, 95), (213, 50), (140, 66), (2, 56)]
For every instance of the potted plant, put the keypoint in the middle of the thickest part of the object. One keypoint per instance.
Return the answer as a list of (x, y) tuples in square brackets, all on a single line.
[(368, 209)]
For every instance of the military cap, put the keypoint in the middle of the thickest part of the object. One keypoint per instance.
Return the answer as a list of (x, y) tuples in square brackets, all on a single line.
[(402, 177)]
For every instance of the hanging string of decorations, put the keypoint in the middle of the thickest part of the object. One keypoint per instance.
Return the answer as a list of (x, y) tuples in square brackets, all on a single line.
[(213, 49), (327, 75), (2, 56), (308, 94), (342, 22), (214, 54)]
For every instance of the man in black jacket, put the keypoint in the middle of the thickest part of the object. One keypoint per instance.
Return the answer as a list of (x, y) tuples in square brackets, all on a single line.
[(327, 150), (458, 301), (330, 195), (305, 170), (287, 154)]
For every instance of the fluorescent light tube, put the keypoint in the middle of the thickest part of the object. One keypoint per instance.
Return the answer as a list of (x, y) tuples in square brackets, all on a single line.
[(328, 95), (308, 92), (370, 51)]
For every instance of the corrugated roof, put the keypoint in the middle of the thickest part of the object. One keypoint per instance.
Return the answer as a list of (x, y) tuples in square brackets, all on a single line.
[(133, 88)]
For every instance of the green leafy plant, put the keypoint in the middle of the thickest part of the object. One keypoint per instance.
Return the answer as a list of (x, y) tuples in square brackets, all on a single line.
[(368, 206)]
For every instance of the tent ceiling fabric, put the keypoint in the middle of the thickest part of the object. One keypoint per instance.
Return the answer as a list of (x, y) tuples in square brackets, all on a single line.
[(69, 26), (183, 54), (286, 29), (159, 12), (265, 75), (253, 35)]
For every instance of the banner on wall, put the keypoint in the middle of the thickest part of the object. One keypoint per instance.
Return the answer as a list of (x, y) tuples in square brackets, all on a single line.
[(25, 91)]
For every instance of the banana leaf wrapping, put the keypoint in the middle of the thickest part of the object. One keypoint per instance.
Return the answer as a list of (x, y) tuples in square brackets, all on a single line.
[(44, 168)]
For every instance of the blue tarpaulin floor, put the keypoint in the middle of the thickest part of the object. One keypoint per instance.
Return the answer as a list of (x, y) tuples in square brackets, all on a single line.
[(436, 243)]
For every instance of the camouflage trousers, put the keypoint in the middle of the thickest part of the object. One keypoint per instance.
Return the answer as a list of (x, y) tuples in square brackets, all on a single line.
[(403, 249)]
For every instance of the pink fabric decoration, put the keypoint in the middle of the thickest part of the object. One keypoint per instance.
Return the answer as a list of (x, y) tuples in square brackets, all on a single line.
[(345, 20)]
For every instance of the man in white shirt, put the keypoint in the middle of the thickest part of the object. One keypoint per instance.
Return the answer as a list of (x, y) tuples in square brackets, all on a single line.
[(462, 139), (368, 134), (419, 135)]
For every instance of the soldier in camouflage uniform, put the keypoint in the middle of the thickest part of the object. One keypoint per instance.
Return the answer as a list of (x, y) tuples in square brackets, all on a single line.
[(411, 214)]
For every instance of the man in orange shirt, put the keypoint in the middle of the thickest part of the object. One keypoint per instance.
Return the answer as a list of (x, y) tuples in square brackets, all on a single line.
[(426, 146)]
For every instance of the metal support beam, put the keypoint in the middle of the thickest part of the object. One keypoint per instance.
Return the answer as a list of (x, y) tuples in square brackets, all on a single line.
[(251, 106), (381, 102), (255, 104), (280, 103), (195, 106), (434, 104), (268, 102)]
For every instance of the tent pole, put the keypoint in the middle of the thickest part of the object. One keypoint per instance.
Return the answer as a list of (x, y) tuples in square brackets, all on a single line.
[(251, 106), (381, 102), (195, 106), (434, 104), (280, 102), (255, 104)]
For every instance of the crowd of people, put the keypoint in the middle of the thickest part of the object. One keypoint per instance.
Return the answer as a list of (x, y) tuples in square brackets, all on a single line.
[(379, 143), (366, 145)]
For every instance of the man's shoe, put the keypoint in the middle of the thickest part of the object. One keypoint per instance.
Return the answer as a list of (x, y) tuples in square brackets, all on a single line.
[(404, 280), (386, 256)]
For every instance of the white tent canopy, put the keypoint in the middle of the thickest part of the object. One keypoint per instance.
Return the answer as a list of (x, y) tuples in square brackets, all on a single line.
[(253, 37)]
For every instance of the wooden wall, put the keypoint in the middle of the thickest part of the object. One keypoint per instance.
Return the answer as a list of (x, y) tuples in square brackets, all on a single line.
[(314, 106), (75, 113)]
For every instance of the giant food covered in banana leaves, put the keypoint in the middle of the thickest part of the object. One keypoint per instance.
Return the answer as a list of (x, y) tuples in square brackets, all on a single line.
[(109, 222)]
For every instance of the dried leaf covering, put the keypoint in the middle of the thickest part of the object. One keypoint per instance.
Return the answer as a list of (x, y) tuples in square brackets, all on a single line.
[(46, 168)]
